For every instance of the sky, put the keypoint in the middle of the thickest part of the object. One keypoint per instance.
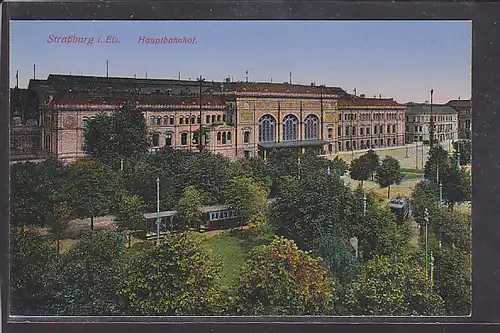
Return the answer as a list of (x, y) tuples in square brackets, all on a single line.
[(403, 60)]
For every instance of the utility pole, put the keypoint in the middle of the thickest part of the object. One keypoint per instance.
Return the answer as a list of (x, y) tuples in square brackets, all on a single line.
[(432, 270), (426, 219), (364, 204), (441, 193), (157, 210)]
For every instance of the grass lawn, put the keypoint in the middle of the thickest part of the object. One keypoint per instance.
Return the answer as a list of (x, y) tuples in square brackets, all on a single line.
[(411, 175), (230, 253)]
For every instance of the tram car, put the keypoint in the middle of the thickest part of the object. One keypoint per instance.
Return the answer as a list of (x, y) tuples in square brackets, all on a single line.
[(219, 217), (400, 207)]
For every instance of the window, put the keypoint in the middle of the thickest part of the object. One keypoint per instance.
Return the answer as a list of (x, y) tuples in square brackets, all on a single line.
[(367, 143), (347, 146), (361, 131), (415, 138), (290, 128), (184, 138), (219, 137), (340, 116), (229, 137), (156, 140), (218, 118), (416, 128), (354, 145), (213, 118), (193, 119), (394, 141), (353, 131), (362, 144), (158, 121), (152, 120), (165, 120), (267, 127), (198, 120), (311, 128), (168, 139), (181, 120), (207, 120), (330, 133), (340, 146), (347, 133), (381, 142), (246, 137), (339, 131), (171, 120), (368, 131), (388, 128), (375, 129), (394, 128), (85, 123), (420, 138), (247, 154)]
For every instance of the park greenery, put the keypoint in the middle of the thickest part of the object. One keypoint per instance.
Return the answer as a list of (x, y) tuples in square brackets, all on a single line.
[(294, 255)]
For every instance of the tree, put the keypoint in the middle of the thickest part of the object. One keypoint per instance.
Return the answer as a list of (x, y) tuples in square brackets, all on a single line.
[(32, 273), (176, 278), (465, 148), (247, 197), (360, 169), (279, 279), (88, 276), (188, 209), (424, 197), (35, 189), (379, 234), (374, 161), (96, 189), (123, 134), (388, 173), (129, 215), (457, 185), (453, 228), (62, 215), (452, 280), (393, 286), (339, 165), (438, 158)]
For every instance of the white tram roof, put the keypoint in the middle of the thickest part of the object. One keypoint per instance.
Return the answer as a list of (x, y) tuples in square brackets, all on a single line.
[(204, 209)]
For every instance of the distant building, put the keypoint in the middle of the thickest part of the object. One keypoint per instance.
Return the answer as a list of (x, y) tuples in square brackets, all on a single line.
[(464, 110), (239, 119), (366, 123), (418, 117)]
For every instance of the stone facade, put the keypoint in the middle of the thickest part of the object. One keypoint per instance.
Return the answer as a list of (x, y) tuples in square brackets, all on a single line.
[(464, 110), (418, 118)]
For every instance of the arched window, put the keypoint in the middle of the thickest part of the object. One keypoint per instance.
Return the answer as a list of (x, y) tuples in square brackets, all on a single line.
[(165, 120), (229, 137), (290, 128), (224, 141), (218, 138), (267, 127), (311, 128), (171, 120), (85, 123), (193, 119), (213, 118), (330, 133), (218, 118), (388, 128), (156, 140), (152, 120), (208, 119), (168, 139), (184, 138), (181, 121), (246, 137)]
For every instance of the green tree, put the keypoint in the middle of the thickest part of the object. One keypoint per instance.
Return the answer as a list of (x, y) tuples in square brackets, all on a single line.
[(129, 215), (457, 185), (88, 276), (96, 188), (33, 269), (452, 280), (453, 228), (374, 161), (62, 215), (360, 169), (188, 209), (248, 197), (438, 158), (465, 147), (393, 286), (176, 278), (123, 134), (388, 173), (339, 166), (424, 197), (279, 279)]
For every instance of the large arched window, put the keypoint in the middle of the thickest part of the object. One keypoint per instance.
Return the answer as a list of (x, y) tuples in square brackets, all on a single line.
[(311, 127), (156, 140), (290, 128), (168, 139), (267, 128)]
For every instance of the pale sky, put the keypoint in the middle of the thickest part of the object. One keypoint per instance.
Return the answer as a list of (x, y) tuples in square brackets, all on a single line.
[(399, 59)]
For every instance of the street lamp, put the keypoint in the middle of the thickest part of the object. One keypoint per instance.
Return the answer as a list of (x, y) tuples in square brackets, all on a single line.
[(426, 219), (157, 210)]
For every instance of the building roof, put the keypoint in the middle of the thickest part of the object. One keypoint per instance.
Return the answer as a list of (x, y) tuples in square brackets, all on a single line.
[(355, 101), (118, 98), (421, 108), (268, 87)]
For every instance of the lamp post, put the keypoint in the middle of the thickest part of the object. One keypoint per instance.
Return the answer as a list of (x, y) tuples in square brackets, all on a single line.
[(441, 193), (426, 219), (157, 210), (298, 167), (364, 205), (432, 270)]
